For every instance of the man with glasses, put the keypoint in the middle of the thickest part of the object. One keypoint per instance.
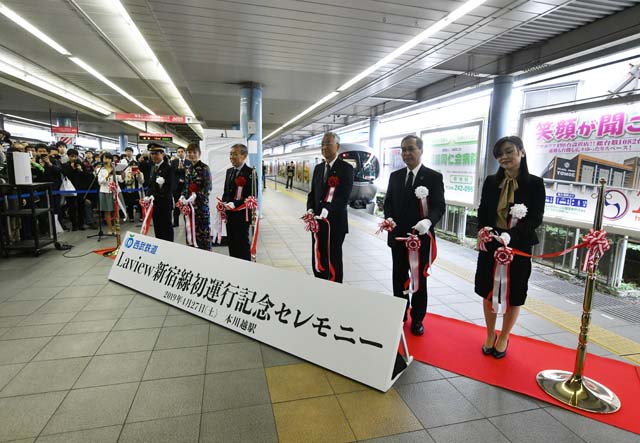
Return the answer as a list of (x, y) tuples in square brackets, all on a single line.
[(327, 201), (160, 187), (238, 186), (414, 204)]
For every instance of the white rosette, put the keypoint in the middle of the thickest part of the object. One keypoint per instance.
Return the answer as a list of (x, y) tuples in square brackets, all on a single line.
[(422, 193), (517, 212)]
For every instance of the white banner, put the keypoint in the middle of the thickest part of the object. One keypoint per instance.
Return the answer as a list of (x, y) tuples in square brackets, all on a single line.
[(342, 328)]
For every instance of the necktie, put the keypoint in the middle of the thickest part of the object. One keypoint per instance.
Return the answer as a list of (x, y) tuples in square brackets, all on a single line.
[(325, 177), (408, 186)]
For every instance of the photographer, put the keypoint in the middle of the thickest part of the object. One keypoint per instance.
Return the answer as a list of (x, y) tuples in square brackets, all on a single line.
[(76, 173)]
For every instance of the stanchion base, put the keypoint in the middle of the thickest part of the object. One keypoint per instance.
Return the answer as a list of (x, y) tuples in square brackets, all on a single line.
[(579, 392), (111, 253)]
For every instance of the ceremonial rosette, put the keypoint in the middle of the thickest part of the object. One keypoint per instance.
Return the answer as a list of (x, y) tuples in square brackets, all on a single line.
[(412, 242), (516, 213), (240, 182), (222, 219), (485, 235), (333, 183), (146, 204), (597, 244), (188, 211), (499, 295), (386, 225), (422, 193), (193, 188)]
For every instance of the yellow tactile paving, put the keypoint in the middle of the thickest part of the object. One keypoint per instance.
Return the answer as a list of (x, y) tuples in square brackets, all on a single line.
[(343, 385), (318, 419), (295, 382), (382, 414)]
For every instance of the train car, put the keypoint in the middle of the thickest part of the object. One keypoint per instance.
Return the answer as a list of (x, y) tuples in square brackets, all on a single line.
[(361, 157)]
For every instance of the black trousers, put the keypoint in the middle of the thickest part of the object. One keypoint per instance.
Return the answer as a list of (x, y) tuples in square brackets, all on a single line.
[(162, 221), (401, 276), (289, 183), (76, 210), (238, 237), (335, 253), (176, 211)]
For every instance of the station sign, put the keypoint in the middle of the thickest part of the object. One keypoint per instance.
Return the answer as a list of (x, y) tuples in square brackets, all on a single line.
[(178, 119), (155, 137), (67, 130)]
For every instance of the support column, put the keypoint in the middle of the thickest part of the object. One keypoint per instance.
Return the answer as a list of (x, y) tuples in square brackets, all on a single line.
[(2, 122), (374, 140), (251, 111), (498, 118), (123, 142), (621, 255), (99, 144)]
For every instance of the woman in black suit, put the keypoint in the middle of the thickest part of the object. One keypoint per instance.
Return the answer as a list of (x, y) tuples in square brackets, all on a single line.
[(512, 184)]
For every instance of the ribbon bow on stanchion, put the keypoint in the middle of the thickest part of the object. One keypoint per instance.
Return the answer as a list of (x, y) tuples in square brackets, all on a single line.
[(250, 204), (412, 242), (222, 218), (146, 204), (387, 225), (186, 208), (597, 244), (501, 279)]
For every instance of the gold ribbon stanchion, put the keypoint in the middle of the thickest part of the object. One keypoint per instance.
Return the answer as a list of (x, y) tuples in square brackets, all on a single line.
[(116, 226), (574, 389), (254, 213)]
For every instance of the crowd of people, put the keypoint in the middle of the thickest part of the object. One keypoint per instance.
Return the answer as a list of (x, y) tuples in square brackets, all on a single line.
[(413, 206)]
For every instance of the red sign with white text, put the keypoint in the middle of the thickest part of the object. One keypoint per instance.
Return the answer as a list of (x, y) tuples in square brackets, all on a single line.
[(64, 130), (180, 119)]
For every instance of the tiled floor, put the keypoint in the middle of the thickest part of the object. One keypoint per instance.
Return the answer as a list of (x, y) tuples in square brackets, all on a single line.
[(85, 360)]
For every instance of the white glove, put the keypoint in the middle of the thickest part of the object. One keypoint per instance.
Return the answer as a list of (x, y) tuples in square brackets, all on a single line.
[(182, 199), (506, 238), (230, 205), (324, 213), (191, 199), (393, 223), (160, 181), (423, 226), (310, 211)]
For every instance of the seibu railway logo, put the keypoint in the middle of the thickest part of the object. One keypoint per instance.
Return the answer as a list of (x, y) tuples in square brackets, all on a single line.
[(132, 243)]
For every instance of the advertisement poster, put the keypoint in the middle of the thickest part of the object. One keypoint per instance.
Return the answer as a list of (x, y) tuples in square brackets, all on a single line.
[(454, 152), (572, 151)]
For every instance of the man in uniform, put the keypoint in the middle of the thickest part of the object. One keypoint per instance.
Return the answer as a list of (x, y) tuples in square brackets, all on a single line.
[(160, 186), (238, 186), (330, 190), (290, 171), (179, 167), (402, 208)]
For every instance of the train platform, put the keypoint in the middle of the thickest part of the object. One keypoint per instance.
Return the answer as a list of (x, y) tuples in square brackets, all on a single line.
[(83, 359)]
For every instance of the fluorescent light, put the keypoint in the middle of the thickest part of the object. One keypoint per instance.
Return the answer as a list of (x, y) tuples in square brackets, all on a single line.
[(42, 83), (320, 102), (11, 15), (436, 27), (109, 83), (17, 117)]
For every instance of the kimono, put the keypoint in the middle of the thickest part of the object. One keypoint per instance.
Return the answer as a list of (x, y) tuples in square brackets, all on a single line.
[(198, 180)]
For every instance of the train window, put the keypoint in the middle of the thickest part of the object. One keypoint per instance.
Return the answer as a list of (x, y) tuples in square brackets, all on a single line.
[(365, 164)]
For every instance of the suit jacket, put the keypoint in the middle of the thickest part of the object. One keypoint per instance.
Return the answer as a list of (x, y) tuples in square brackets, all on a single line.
[(230, 188), (405, 210), (338, 206), (162, 195), (179, 174), (530, 192)]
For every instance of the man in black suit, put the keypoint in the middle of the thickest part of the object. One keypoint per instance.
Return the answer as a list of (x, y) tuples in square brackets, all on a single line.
[(327, 200), (403, 210), (160, 186), (238, 186), (290, 171), (179, 167)]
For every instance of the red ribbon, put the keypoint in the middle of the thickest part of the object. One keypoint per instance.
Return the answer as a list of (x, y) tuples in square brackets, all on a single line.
[(385, 225), (312, 225), (189, 213), (484, 237), (433, 253), (412, 242), (147, 210), (597, 244), (222, 218), (499, 294)]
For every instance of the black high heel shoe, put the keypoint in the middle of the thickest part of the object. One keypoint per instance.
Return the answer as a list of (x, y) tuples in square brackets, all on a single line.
[(498, 354), (492, 349)]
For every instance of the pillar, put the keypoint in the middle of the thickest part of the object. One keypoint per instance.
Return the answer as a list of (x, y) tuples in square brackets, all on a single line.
[(619, 261), (251, 110), (123, 142), (498, 118), (374, 140)]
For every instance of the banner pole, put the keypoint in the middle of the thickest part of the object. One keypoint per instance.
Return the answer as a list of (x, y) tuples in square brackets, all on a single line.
[(574, 389)]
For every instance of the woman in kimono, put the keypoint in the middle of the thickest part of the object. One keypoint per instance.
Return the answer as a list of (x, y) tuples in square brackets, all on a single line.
[(198, 182)]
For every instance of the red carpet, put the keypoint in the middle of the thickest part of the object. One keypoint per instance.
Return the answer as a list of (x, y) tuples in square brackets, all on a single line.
[(102, 251), (455, 345)]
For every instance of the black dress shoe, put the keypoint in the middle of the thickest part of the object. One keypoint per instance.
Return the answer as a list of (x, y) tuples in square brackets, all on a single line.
[(492, 349), (417, 328), (498, 354)]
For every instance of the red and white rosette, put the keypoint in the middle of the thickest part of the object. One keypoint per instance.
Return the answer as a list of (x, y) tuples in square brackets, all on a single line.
[(250, 204), (188, 211), (333, 183), (311, 225), (485, 236), (117, 198), (597, 244), (222, 219), (241, 182), (146, 204), (422, 192), (499, 295), (412, 242), (386, 225), (517, 213)]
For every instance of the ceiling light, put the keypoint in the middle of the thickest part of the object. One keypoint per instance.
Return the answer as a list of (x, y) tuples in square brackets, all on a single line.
[(109, 83), (32, 29), (436, 27)]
